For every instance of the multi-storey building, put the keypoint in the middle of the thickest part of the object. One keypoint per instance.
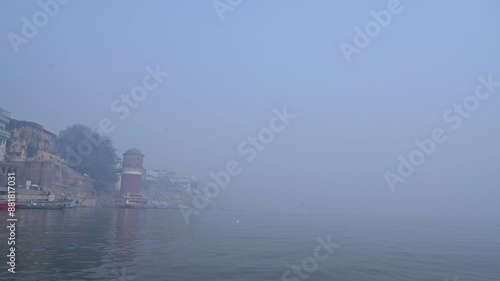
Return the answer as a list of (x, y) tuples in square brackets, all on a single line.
[(31, 142), (4, 133), (151, 175)]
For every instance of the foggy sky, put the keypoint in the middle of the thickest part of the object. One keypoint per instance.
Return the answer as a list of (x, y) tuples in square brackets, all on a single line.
[(352, 121)]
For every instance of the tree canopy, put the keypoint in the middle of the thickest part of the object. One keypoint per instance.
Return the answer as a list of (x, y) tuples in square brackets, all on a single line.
[(88, 152)]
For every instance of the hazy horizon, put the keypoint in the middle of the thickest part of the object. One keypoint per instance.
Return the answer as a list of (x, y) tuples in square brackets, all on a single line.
[(352, 119)]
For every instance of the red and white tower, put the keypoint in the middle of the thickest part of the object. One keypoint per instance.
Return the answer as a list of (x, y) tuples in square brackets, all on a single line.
[(132, 169)]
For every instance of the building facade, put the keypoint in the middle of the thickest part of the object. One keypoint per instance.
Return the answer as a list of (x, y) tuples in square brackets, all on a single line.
[(31, 142), (118, 167), (4, 133)]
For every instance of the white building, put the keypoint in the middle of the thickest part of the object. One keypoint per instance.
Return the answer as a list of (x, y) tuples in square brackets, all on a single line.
[(4, 134), (151, 175)]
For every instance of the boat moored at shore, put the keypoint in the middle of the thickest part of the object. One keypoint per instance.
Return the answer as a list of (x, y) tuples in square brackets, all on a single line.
[(5, 205), (132, 201), (45, 205)]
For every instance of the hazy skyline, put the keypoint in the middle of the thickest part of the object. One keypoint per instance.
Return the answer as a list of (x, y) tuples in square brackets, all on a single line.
[(352, 121)]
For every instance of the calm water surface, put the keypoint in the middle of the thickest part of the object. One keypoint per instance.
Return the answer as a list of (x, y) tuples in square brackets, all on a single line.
[(117, 244)]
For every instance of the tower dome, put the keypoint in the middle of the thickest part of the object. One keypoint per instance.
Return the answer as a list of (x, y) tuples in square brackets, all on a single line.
[(133, 151)]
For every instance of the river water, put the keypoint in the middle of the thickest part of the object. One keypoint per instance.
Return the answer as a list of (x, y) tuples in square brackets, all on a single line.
[(143, 245)]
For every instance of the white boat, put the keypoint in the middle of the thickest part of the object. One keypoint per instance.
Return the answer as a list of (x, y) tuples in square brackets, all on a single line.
[(72, 204), (158, 204)]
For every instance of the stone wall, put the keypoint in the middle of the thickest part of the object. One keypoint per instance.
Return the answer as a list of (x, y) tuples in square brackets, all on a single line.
[(56, 178)]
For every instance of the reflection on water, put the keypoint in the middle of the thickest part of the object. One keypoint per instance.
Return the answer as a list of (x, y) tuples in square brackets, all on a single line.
[(82, 244), (121, 244)]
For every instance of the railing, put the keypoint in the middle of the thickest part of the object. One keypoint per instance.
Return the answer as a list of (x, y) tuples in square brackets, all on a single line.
[(4, 134)]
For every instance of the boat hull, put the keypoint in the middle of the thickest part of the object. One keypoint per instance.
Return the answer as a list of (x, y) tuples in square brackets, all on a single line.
[(5, 206), (132, 201), (72, 204), (44, 206)]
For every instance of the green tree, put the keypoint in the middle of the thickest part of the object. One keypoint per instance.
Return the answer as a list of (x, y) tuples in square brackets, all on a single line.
[(88, 152)]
